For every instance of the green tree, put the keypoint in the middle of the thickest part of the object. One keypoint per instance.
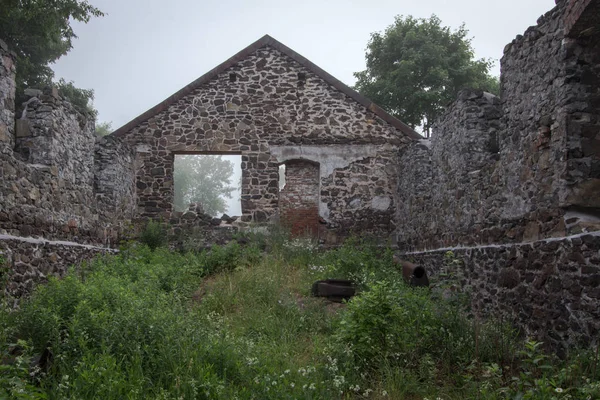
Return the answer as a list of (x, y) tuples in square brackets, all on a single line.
[(39, 32), (204, 179), (103, 128), (417, 66)]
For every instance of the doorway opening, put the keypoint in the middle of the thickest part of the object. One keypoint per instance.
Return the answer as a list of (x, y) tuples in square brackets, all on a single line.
[(299, 197)]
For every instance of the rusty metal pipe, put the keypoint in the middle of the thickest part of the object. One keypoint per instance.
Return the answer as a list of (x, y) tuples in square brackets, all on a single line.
[(414, 275)]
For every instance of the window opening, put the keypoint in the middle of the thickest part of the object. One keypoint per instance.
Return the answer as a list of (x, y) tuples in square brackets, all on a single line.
[(214, 181), (281, 176)]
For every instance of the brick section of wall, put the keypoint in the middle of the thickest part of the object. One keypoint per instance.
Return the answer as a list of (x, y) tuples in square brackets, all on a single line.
[(299, 199), (549, 288)]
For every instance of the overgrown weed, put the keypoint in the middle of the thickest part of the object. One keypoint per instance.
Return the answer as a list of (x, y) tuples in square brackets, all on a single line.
[(135, 326)]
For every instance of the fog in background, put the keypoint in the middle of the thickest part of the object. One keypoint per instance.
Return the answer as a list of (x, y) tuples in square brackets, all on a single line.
[(143, 51), (234, 205)]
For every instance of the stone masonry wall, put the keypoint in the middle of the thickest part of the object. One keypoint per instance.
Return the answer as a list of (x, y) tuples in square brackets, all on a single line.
[(299, 199), (263, 102), (452, 176), (520, 168), (31, 261), (7, 98), (512, 187), (114, 184), (53, 195), (51, 132), (549, 288), (550, 90), (60, 191), (582, 112)]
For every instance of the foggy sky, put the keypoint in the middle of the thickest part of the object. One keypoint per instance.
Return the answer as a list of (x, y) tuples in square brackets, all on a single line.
[(143, 51)]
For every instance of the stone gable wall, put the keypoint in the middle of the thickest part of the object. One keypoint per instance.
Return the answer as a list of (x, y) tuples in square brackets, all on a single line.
[(265, 102)]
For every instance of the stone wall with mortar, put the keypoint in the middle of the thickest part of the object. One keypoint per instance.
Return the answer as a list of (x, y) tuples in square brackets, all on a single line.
[(517, 168), (114, 185), (549, 288), (55, 185), (31, 261), (511, 186), (550, 91), (264, 102), (51, 132), (448, 179), (7, 98), (62, 194)]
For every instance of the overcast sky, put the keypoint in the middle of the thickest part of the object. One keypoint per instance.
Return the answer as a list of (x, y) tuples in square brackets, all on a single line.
[(143, 51)]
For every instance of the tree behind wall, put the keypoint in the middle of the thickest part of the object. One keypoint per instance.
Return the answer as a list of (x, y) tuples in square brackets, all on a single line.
[(417, 66), (204, 179), (39, 32)]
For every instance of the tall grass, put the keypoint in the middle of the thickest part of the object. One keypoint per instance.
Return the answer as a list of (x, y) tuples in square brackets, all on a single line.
[(238, 322)]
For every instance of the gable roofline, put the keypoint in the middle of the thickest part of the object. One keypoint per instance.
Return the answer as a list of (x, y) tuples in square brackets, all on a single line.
[(271, 42)]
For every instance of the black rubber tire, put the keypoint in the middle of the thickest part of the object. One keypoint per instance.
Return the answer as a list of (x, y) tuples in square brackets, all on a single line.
[(333, 288)]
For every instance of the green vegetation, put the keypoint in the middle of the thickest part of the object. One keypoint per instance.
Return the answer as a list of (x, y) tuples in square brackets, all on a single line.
[(417, 66), (103, 128), (154, 234), (81, 99), (40, 32), (238, 322)]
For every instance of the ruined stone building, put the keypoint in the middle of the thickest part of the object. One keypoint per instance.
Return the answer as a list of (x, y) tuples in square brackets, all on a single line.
[(272, 106), (510, 184)]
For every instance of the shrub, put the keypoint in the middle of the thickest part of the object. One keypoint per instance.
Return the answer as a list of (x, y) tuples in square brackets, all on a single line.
[(361, 261), (154, 234), (148, 324), (393, 323)]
